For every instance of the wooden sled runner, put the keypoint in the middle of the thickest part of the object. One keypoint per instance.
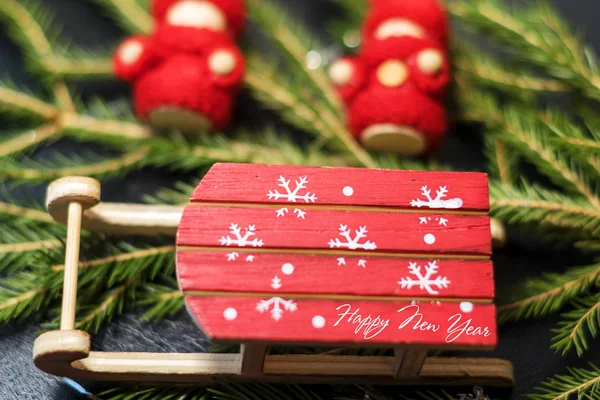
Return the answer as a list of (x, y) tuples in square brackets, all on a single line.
[(304, 256)]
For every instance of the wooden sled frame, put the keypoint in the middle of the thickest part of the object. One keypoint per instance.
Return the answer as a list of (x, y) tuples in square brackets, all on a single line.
[(66, 352)]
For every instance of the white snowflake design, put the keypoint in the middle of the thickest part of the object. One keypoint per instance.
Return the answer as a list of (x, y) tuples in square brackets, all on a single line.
[(441, 221), (233, 256), (438, 202), (276, 282), (292, 195), (239, 239), (300, 214), (274, 305), (425, 282), (352, 243)]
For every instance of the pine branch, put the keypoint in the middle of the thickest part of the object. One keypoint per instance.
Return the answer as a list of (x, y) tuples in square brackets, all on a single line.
[(578, 384), (17, 102), (535, 205), (103, 129), (62, 96), (161, 393), (536, 35), (521, 128), (23, 295), (179, 193), (567, 133), (295, 48), (294, 43), (79, 64), (20, 245), (29, 171), (588, 245), (549, 294), (278, 94), (28, 24), (573, 332), (502, 163), (261, 391), (12, 211), (112, 303), (13, 144), (124, 262), (355, 10), (122, 257), (108, 283), (346, 29), (163, 301), (130, 14), (481, 69)]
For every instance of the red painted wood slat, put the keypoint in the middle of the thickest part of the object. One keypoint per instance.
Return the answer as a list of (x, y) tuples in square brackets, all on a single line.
[(334, 230), (364, 323), (332, 275), (241, 183)]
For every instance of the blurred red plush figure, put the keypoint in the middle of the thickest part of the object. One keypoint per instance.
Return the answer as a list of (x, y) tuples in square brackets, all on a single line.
[(395, 88), (186, 74), (421, 19)]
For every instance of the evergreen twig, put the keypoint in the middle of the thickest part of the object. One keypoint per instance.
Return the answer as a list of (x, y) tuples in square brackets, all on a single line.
[(536, 35), (130, 14), (549, 294), (580, 383), (583, 320)]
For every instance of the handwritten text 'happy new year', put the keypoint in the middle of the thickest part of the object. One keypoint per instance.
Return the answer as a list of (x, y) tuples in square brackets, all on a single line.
[(412, 318)]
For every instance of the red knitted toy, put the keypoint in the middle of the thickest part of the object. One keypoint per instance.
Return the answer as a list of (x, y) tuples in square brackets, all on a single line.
[(394, 89), (186, 74)]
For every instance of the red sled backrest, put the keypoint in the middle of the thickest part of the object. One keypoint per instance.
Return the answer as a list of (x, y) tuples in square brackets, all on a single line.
[(331, 256)]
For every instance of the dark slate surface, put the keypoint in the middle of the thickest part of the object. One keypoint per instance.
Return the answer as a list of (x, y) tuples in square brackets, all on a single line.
[(526, 344)]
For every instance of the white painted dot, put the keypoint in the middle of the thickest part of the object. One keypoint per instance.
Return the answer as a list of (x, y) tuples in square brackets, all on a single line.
[(130, 51), (230, 314), (318, 321), (429, 238), (466, 306), (287, 269), (348, 191)]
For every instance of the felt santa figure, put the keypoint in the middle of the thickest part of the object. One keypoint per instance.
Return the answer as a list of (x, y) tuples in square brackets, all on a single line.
[(186, 74), (395, 88)]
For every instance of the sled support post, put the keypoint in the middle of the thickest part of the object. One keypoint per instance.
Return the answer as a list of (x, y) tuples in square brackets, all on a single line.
[(56, 350), (408, 362), (72, 196), (252, 358)]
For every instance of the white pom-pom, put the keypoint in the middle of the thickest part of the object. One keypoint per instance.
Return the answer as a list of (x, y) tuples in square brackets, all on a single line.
[(130, 51), (197, 14), (398, 27), (430, 61), (221, 62), (341, 72), (392, 73)]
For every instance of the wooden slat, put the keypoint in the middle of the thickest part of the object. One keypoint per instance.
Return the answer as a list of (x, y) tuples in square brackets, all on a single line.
[(322, 229), (332, 275), (241, 183), (363, 323)]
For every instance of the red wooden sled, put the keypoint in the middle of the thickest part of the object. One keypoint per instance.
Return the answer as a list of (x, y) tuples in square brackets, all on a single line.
[(324, 257)]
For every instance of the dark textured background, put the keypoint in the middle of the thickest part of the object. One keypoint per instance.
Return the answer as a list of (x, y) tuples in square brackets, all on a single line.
[(525, 344)]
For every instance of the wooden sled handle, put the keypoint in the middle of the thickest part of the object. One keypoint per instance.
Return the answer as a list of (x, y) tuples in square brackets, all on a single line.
[(142, 219)]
